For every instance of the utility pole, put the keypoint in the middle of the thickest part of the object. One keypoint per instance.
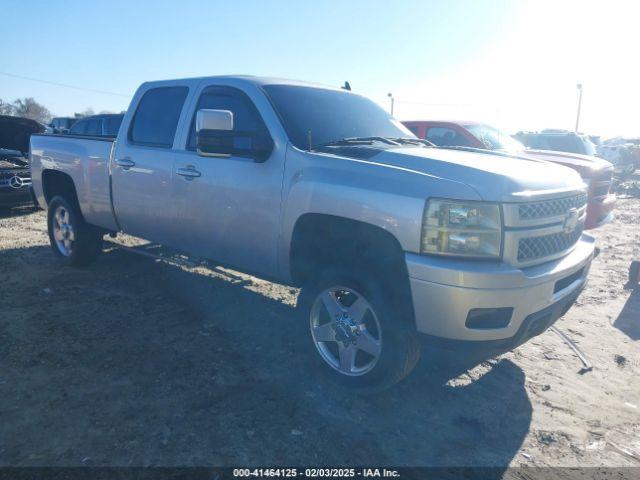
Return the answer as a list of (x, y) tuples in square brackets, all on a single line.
[(390, 95), (579, 86)]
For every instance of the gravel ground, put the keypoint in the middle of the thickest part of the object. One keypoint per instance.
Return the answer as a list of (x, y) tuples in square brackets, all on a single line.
[(132, 361)]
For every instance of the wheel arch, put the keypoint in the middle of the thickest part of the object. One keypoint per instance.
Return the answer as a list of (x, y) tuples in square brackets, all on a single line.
[(55, 182), (320, 240)]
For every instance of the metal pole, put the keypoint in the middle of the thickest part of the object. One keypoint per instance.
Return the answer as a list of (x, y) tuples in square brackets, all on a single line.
[(579, 105), (390, 95)]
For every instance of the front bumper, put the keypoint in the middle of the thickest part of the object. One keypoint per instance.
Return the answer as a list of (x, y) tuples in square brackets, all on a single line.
[(444, 291), (14, 196)]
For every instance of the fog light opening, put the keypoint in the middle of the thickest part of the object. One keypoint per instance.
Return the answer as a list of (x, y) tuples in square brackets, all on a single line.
[(489, 318)]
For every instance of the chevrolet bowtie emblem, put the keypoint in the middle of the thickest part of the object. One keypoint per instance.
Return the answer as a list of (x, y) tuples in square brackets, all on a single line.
[(570, 221)]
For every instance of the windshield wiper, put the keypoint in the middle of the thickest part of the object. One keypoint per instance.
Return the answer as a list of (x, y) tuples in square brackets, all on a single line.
[(357, 141), (462, 147), (413, 141)]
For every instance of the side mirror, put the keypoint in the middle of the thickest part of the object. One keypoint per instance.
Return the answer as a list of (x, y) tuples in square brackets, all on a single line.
[(214, 120), (215, 137)]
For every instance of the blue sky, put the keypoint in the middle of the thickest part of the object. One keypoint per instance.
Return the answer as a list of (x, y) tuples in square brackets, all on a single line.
[(509, 62)]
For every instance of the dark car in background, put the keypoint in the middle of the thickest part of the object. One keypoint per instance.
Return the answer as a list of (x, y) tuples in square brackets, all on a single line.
[(15, 175), (62, 124), (103, 125)]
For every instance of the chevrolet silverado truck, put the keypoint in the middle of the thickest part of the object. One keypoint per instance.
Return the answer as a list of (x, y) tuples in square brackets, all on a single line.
[(15, 177), (396, 245), (596, 172)]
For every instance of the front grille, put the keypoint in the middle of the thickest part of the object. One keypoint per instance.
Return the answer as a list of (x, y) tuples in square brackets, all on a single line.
[(551, 208), (533, 248), (6, 176)]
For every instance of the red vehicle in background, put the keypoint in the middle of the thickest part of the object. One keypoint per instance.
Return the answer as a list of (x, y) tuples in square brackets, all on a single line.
[(596, 172)]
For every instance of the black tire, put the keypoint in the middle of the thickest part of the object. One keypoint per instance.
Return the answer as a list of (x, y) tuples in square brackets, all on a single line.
[(87, 242), (400, 349)]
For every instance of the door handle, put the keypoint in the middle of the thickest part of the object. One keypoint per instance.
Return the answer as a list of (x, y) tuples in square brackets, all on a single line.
[(188, 172), (125, 163)]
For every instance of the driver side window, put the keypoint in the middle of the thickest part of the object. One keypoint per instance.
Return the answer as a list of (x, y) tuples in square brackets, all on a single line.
[(245, 115)]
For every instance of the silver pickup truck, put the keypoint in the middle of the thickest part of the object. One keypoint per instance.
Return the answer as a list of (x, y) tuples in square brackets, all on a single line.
[(395, 244)]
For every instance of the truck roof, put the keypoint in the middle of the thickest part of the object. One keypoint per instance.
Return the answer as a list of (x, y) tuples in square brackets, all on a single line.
[(248, 79)]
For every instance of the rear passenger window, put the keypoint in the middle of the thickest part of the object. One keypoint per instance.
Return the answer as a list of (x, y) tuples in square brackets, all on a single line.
[(156, 117)]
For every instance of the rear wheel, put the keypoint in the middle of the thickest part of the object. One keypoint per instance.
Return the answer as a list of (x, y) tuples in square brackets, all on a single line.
[(363, 341), (72, 239)]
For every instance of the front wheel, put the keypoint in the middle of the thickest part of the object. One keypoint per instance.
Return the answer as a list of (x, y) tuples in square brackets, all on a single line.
[(72, 239), (362, 339)]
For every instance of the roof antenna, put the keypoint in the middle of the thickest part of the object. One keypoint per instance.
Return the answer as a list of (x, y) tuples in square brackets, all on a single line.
[(309, 139), (346, 86)]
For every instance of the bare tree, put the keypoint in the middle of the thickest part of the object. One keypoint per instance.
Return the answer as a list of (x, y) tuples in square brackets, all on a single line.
[(29, 108), (87, 112), (5, 108)]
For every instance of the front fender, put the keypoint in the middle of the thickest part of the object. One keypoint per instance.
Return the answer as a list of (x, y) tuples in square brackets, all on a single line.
[(389, 198)]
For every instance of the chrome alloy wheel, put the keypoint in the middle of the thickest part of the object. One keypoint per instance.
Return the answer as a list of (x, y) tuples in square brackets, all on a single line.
[(63, 231), (346, 331)]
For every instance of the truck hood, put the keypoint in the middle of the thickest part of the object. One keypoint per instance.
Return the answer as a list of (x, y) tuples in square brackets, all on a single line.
[(586, 165), (495, 177), (15, 132)]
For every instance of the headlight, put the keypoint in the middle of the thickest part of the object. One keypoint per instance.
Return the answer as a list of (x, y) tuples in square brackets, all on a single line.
[(470, 229)]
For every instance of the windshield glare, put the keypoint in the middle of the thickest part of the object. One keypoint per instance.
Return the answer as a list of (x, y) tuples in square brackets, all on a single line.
[(330, 115), (589, 147), (494, 139)]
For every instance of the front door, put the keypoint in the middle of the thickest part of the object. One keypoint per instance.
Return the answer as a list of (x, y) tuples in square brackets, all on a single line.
[(229, 207)]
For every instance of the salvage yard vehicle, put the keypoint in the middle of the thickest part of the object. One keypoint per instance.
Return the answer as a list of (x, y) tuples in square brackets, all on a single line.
[(15, 177), (395, 243), (62, 124), (558, 141), (625, 155), (103, 125), (596, 172)]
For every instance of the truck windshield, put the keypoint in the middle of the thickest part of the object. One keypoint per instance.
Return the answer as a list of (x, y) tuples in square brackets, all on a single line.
[(320, 116), (494, 139), (589, 147)]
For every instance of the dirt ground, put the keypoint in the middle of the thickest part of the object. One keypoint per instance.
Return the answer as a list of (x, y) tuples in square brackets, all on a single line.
[(132, 361)]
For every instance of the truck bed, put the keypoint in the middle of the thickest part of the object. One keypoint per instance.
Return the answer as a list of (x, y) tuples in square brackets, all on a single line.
[(87, 161)]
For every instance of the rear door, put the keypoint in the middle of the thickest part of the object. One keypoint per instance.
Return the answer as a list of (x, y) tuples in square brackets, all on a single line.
[(142, 166)]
